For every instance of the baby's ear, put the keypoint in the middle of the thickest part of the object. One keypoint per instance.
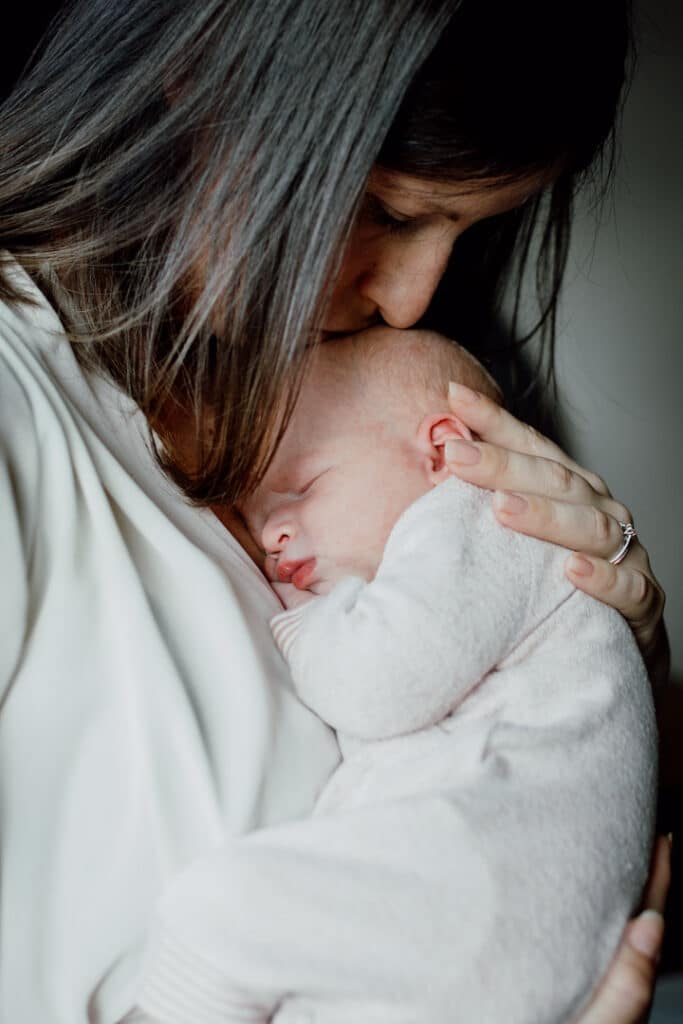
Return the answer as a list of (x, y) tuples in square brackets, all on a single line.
[(432, 434)]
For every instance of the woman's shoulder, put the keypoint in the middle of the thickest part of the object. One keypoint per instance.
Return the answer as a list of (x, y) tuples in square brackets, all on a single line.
[(35, 357), (25, 388), (19, 443), (36, 427), (28, 325), (19, 500)]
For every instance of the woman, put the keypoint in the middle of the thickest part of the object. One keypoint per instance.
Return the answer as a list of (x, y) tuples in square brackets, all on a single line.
[(201, 193)]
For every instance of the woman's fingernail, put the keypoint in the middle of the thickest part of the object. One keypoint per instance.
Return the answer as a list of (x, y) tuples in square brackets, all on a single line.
[(463, 452), (461, 393), (580, 566), (646, 932), (511, 503)]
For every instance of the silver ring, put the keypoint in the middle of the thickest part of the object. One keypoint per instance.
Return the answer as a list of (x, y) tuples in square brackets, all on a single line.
[(629, 533)]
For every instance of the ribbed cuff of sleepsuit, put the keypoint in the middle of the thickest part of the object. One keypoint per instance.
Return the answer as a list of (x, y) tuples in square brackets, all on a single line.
[(182, 988), (286, 625)]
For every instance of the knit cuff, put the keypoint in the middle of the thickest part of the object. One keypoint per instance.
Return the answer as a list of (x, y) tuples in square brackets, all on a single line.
[(286, 626), (180, 987)]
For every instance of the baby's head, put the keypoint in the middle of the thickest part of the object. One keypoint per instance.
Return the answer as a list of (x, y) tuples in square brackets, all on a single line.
[(366, 439)]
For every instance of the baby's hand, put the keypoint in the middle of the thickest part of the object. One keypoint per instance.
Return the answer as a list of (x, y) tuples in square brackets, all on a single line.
[(291, 596)]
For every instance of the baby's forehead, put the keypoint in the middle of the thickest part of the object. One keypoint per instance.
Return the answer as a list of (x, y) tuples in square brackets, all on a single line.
[(401, 369), (351, 390), (354, 377)]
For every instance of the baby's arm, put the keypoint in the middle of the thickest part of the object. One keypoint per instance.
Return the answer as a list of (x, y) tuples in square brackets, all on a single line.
[(454, 594), (501, 889), (473, 889)]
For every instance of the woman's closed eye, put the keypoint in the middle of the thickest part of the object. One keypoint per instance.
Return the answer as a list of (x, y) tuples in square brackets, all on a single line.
[(382, 215)]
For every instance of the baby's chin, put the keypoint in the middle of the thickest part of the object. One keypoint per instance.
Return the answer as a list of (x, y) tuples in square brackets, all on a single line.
[(326, 584), (336, 574), (322, 587)]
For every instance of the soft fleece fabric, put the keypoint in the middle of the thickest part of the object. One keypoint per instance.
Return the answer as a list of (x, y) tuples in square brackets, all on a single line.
[(476, 856), (145, 713)]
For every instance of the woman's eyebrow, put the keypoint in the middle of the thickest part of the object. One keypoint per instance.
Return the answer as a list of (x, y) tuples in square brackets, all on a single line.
[(427, 205), (437, 205)]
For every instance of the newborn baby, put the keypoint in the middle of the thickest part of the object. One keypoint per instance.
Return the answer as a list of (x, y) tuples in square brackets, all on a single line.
[(477, 854)]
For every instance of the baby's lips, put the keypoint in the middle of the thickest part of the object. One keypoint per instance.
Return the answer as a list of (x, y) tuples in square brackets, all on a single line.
[(296, 571), (286, 569), (303, 577)]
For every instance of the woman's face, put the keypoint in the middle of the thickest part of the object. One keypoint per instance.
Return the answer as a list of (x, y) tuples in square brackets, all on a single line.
[(402, 242)]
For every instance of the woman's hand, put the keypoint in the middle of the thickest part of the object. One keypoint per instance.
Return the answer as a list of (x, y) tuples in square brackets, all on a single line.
[(625, 993), (542, 492)]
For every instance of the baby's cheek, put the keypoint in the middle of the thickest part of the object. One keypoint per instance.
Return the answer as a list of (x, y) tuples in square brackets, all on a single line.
[(366, 561)]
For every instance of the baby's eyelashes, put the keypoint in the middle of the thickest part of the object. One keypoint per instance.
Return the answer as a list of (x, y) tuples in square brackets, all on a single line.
[(303, 488)]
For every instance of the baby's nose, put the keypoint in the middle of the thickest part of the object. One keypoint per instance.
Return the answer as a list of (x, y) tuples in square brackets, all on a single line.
[(277, 533)]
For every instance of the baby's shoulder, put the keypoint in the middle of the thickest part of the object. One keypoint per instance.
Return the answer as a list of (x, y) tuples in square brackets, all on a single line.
[(451, 509)]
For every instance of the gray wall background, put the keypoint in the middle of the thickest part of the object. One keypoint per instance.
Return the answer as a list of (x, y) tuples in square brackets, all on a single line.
[(620, 373), (620, 353)]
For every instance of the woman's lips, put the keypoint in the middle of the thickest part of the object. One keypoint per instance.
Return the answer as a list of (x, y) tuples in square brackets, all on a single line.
[(299, 573)]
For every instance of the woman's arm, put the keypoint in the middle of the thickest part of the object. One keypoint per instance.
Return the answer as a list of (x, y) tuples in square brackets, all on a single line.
[(625, 993), (557, 500)]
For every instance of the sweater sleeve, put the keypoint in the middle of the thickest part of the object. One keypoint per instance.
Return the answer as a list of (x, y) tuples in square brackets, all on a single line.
[(18, 495), (453, 595), (489, 866)]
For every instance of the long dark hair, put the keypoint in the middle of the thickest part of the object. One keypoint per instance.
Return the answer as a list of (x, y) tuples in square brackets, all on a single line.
[(511, 90), (182, 180)]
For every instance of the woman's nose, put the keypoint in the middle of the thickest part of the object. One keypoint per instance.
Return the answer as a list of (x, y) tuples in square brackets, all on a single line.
[(405, 274)]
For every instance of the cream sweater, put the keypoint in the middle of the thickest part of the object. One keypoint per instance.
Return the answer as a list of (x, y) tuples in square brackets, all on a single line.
[(145, 714), (476, 856)]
